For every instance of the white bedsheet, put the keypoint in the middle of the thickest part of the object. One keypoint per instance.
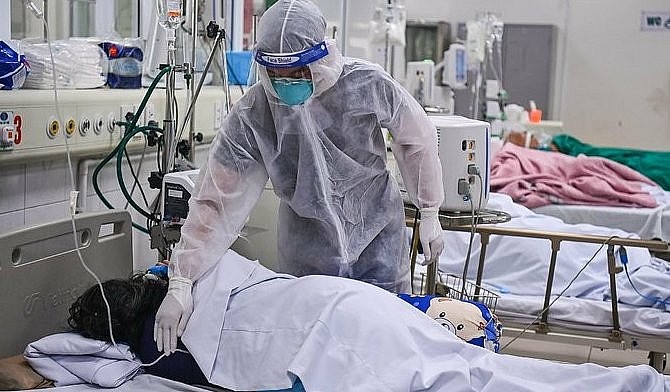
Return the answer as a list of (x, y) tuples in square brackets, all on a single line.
[(343, 335), (142, 382), (646, 222), (587, 314)]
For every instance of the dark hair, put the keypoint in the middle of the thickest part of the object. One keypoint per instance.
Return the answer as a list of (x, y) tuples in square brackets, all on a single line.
[(131, 301)]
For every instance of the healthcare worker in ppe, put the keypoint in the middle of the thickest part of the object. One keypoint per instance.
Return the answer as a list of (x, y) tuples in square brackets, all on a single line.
[(313, 126)]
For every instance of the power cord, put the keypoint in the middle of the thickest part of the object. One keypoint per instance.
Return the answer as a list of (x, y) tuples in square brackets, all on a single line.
[(464, 188), (559, 295)]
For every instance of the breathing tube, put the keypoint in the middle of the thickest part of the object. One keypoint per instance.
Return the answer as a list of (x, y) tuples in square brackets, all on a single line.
[(131, 130)]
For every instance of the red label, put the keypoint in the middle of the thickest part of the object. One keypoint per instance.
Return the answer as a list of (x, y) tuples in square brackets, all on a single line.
[(18, 122)]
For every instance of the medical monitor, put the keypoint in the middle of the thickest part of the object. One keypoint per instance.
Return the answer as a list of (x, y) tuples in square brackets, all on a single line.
[(465, 156)]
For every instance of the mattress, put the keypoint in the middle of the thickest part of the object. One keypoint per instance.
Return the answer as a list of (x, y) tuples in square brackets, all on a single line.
[(648, 223), (586, 314)]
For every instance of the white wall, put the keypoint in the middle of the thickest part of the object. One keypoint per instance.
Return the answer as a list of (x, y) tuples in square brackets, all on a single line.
[(612, 79), (612, 83), (5, 23)]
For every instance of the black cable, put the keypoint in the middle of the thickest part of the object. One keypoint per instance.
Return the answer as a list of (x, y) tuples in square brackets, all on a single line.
[(559, 295), (136, 180), (411, 243)]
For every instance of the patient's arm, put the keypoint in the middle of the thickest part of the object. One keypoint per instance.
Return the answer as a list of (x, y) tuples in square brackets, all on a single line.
[(16, 375), (527, 139)]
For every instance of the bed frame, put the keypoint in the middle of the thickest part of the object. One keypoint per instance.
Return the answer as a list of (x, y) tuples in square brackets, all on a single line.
[(657, 346), (41, 274)]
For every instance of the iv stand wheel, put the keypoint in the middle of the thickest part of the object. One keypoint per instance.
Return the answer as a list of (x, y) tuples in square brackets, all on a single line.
[(657, 360)]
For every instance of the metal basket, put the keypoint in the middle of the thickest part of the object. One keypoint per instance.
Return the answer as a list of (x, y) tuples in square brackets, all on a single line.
[(451, 286)]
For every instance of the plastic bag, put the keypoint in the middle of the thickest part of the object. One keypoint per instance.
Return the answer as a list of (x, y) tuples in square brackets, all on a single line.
[(14, 67), (125, 61)]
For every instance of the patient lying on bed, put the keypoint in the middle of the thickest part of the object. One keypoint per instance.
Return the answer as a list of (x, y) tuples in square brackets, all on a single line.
[(253, 329)]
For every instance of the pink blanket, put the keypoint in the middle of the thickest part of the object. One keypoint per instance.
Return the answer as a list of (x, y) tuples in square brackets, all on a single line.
[(535, 178)]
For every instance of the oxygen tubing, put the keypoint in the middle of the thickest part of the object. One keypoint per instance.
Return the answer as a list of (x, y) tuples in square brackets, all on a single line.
[(114, 152)]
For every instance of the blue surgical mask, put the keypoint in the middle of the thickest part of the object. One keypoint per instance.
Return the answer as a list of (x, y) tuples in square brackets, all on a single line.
[(293, 91)]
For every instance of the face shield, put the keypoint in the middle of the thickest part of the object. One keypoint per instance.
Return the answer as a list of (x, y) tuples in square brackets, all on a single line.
[(290, 74)]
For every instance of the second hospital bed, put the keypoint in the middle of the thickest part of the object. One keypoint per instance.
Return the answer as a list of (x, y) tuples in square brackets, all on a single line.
[(520, 262)]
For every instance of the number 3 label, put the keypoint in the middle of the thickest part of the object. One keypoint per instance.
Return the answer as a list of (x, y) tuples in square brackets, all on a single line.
[(18, 131)]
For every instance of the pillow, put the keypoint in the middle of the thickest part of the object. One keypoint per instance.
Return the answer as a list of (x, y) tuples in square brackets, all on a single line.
[(469, 320)]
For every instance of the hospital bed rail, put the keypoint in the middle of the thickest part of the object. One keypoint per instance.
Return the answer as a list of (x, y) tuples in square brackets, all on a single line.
[(486, 230)]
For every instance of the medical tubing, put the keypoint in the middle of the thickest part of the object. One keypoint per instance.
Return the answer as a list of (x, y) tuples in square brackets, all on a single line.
[(99, 167), (654, 300), (104, 162), (71, 173), (559, 295), (119, 172), (161, 357), (136, 181)]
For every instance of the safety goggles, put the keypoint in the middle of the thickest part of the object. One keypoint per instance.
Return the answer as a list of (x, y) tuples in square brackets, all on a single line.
[(291, 60)]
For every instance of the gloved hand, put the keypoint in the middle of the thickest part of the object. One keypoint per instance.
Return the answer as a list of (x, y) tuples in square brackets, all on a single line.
[(430, 232), (173, 314)]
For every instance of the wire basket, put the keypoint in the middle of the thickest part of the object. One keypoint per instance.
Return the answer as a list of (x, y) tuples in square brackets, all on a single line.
[(451, 286)]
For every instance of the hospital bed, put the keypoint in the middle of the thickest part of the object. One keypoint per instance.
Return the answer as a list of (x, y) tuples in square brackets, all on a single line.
[(645, 222), (581, 321), (41, 275)]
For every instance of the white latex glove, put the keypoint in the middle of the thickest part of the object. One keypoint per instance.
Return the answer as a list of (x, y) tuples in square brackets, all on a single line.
[(430, 232), (173, 314)]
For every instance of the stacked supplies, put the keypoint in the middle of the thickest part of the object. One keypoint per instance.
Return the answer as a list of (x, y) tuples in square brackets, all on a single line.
[(79, 64)]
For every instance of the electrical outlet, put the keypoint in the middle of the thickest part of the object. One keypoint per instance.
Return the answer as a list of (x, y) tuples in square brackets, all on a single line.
[(84, 125), (99, 124), (124, 110), (150, 113), (111, 122)]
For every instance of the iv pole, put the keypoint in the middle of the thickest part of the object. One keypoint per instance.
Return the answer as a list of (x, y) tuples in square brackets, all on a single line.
[(169, 123), (194, 40)]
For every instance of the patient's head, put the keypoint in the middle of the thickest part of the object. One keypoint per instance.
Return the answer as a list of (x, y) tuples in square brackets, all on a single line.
[(130, 302)]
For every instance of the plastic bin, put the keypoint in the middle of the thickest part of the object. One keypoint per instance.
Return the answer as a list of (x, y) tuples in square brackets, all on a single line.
[(239, 64)]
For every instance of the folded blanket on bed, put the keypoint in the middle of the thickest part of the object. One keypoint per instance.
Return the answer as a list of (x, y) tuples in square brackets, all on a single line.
[(535, 178), (69, 358)]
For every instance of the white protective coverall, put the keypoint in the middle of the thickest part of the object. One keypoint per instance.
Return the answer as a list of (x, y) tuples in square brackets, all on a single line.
[(343, 335), (341, 212)]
